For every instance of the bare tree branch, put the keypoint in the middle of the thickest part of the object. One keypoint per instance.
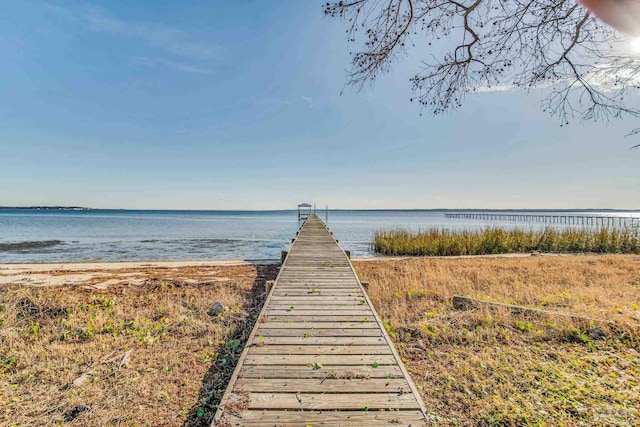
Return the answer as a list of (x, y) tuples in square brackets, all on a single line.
[(552, 44)]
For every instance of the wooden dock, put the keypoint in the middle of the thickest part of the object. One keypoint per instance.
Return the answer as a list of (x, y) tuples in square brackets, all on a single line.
[(568, 219), (319, 355)]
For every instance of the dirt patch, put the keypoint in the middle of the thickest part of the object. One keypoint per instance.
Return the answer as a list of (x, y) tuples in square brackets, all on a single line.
[(102, 275)]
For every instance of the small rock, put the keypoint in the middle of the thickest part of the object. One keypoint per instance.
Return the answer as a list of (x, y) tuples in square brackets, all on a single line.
[(420, 343), (72, 414), (216, 309), (414, 350), (82, 379), (596, 333)]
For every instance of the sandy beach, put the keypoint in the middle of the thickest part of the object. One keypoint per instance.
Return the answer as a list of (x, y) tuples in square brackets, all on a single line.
[(100, 275)]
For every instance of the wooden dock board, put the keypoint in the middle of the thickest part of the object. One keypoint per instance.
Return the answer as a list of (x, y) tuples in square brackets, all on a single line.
[(318, 354)]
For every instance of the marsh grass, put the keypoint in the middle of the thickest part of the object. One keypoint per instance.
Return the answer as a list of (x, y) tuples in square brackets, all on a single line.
[(127, 355), (490, 367), (494, 240)]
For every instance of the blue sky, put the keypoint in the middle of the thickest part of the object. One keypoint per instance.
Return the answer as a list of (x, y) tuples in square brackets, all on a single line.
[(238, 105)]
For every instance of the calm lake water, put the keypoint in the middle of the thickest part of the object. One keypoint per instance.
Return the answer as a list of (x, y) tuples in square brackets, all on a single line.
[(116, 235)]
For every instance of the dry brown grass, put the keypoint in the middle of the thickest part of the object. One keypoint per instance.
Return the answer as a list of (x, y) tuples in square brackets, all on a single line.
[(487, 367), (179, 362), (472, 368)]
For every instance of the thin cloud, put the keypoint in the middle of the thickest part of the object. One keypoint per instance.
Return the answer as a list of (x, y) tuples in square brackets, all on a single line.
[(172, 40), (496, 88), (270, 102), (160, 63), (610, 78)]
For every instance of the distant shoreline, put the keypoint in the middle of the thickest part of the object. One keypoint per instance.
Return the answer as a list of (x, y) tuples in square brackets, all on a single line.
[(555, 210), (45, 208)]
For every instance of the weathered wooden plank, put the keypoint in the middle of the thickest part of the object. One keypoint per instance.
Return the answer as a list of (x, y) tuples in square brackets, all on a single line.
[(318, 325), (317, 319), (342, 268), (325, 273), (317, 312), (303, 293), (323, 359), (322, 298), (310, 282), (296, 331), (311, 371), (323, 290), (318, 301), (317, 275), (316, 298), (319, 349), (354, 306), (396, 418), (315, 278), (324, 385), (314, 340), (370, 401), (293, 280), (327, 289)]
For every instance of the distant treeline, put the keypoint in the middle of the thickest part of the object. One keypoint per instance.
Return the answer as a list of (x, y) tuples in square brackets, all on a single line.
[(495, 240), (46, 208)]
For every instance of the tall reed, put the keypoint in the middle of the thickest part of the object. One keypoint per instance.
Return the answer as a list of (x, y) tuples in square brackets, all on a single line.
[(496, 240)]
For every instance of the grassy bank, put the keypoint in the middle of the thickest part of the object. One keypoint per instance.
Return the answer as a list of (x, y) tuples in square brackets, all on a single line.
[(491, 367), (149, 354), (440, 242), (125, 355)]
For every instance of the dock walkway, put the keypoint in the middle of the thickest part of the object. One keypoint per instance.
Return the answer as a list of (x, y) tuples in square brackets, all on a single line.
[(319, 355)]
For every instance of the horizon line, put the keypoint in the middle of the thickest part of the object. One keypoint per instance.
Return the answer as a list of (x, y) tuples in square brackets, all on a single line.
[(83, 208)]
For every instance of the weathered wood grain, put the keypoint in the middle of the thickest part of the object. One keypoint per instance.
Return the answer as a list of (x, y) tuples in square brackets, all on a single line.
[(370, 401), (396, 418), (311, 340), (318, 354), (318, 325), (334, 371), (320, 349), (325, 385), (297, 332)]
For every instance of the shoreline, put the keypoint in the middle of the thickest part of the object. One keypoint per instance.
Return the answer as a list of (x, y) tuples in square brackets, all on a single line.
[(232, 262), (101, 275), (114, 265)]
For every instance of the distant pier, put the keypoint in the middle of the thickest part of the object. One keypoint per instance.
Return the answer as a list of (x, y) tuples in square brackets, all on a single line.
[(585, 220)]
